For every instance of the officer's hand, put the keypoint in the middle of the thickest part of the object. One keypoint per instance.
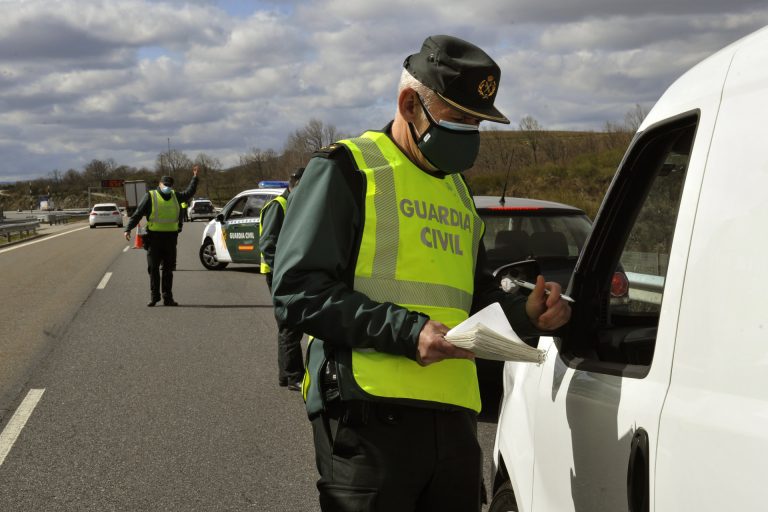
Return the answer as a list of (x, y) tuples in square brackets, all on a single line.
[(128, 235), (195, 169), (433, 347), (547, 312)]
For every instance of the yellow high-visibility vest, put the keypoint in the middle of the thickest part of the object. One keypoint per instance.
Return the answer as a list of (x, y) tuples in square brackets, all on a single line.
[(165, 213), (265, 268), (419, 249)]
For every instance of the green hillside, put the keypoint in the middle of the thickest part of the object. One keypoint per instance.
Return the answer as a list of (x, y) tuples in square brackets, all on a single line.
[(569, 167)]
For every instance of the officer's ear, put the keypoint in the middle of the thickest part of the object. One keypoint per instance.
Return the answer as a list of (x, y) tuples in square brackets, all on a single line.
[(408, 105)]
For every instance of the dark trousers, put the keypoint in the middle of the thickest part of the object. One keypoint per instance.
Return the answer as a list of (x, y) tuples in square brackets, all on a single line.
[(382, 457), (290, 363), (161, 254)]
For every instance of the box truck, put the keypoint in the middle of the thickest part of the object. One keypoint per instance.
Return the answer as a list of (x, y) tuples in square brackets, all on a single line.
[(134, 192)]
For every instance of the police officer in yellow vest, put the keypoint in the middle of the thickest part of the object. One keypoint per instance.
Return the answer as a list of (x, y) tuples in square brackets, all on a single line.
[(290, 364), (161, 207), (379, 255)]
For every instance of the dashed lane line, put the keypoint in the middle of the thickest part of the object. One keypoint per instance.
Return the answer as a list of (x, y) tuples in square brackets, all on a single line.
[(51, 237), (104, 280), (13, 428)]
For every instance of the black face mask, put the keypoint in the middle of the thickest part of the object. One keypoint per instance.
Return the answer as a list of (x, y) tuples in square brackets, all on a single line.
[(449, 147)]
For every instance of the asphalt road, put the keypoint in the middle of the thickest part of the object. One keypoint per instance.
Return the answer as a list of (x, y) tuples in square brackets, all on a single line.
[(146, 408)]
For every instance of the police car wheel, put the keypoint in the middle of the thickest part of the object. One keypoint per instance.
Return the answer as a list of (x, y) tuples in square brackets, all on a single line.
[(208, 256)]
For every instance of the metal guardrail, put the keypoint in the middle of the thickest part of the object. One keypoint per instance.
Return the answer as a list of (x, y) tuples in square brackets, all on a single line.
[(645, 287), (8, 230), (52, 218)]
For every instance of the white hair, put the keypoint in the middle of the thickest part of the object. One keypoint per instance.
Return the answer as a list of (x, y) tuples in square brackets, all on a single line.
[(427, 95)]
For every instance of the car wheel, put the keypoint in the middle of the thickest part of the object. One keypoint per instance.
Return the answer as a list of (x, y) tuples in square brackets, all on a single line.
[(208, 256), (504, 499), (92, 226)]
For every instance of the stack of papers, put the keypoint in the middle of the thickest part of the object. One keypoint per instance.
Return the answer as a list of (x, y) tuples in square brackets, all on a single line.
[(488, 334)]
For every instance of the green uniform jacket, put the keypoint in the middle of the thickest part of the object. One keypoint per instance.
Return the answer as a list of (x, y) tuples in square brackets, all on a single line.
[(271, 224), (314, 271)]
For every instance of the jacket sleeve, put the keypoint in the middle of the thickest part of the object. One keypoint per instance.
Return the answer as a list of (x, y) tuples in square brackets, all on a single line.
[(272, 221), (315, 263), (184, 197), (143, 209)]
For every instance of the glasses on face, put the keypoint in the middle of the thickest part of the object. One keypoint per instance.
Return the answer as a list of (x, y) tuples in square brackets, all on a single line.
[(450, 125)]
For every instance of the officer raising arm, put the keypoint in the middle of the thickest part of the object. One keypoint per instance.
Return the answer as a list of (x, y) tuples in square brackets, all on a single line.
[(162, 209), (380, 256)]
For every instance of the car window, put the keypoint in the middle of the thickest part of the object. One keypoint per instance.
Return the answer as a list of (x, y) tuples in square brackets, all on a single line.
[(237, 209), (636, 231), (105, 208), (556, 235), (646, 254)]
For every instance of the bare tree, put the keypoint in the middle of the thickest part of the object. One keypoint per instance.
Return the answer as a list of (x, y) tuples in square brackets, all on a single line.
[(169, 163), (532, 131), (302, 143), (634, 117)]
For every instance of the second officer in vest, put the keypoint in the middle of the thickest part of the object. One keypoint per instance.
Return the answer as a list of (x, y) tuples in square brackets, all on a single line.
[(380, 254), (161, 207), (290, 364)]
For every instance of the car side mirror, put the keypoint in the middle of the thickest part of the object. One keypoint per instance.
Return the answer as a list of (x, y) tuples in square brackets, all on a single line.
[(526, 270), (220, 217)]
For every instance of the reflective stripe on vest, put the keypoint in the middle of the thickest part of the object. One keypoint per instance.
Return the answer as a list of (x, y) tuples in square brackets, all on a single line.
[(165, 213), (418, 250), (265, 268)]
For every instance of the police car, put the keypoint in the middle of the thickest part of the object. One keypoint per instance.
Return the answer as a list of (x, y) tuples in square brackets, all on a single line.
[(233, 236)]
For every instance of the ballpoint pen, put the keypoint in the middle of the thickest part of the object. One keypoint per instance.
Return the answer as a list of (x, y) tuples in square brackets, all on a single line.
[(531, 286)]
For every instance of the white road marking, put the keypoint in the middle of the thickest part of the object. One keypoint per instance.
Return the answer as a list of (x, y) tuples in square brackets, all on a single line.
[(104, 281), (40, 240), (126, 248), (19, 419)]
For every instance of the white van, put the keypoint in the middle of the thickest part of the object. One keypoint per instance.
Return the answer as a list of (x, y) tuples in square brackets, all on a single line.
[(661, 404)]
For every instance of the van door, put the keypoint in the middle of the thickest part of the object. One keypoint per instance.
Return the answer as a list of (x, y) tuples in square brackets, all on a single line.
[(714, 426), (604, 382)]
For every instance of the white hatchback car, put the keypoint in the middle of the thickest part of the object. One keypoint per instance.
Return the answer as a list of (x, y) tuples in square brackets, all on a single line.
[(233, 235), (200, 209), (105, 214)]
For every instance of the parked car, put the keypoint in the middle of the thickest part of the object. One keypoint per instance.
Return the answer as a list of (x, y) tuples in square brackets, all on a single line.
[(518, 229), (233, 235), (105, 213), (200, 209), (662, 404)]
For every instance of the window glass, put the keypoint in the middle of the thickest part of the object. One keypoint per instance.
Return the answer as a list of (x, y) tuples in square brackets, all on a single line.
[(555, 235), (615, 330), (255, 203), (646, 253), (237, 208)]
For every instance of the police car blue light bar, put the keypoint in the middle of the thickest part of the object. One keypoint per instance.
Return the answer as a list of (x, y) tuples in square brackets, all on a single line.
[(273, 184)]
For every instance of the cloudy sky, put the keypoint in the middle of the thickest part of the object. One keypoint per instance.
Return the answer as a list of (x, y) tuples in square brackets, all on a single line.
[(82, 79)]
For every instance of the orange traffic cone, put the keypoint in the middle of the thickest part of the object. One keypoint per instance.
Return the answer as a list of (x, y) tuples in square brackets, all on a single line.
[(138, 241)]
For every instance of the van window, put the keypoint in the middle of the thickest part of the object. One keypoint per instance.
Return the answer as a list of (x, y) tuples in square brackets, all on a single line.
[(634, 233)]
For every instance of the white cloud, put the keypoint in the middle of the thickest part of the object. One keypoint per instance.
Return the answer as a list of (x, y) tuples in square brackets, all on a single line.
[(84, 79)]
